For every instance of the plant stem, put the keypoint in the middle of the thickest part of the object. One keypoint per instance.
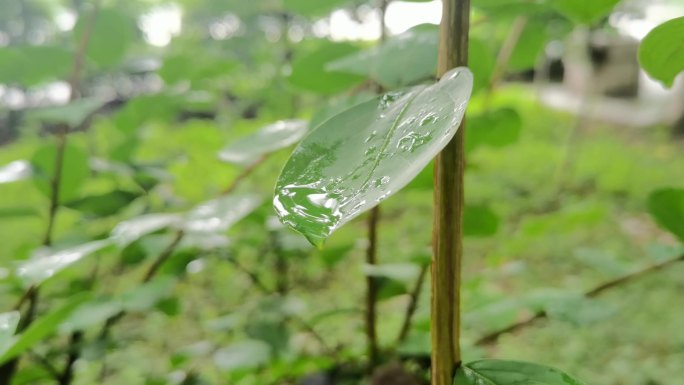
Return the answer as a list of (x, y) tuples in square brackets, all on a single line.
[(492, 337), (448, 210), (163, 256), (504, 56), (372, 290), (412, 305), (280, 265), (247, 171)]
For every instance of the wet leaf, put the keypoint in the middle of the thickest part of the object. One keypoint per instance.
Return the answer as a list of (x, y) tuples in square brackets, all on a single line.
[(661, 53), (243, 355), (666, 206), (46, 263), (8, 324), (500, 372), (273, 137), (15, 171), (415, 49), (42, 328), (351, 162)]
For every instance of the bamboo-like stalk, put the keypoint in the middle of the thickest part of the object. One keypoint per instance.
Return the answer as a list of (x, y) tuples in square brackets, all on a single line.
[(448, 210)]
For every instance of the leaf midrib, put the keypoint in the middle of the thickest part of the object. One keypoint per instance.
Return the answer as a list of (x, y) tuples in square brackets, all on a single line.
[(389, 136)]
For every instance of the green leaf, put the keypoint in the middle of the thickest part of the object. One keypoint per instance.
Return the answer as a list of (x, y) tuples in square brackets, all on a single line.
[(500, 372), (71, 114), (405, 273), (666, 206), (8, 324), (248, 354), (272, 332), (509, 9), (529, 46), (583, 11), (309, 73), (482, 60), (111, 35), (216, 215), (14, 212), (219, 214), (273, 137), (161, 107), (336, 106), (105, 204), (661, 53), (133, 229), (334, 176), (312, 8), (75, 170), (90, 314), (42, 328), (415, 49), (497, 128), (31, 65), (46, 263), (479, 221), (146, 296), (15, 171), (196, 67)]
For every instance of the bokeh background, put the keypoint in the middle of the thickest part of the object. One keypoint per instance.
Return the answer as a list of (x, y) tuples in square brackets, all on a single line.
[(567, 139)]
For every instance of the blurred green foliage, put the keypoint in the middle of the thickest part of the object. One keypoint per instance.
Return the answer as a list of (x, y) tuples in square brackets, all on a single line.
[(167, 265)]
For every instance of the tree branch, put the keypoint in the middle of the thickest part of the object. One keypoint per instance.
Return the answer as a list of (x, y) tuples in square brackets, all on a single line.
[(492, 337), (412, 305), (244, 174)]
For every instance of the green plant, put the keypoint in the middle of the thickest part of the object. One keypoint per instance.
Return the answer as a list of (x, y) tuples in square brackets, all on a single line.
[(140, 246)]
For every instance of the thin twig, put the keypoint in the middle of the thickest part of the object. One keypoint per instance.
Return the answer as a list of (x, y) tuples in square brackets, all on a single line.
[(163, 256), (74, 353), (492, 337), (253, 277), (412, 305), (281, 265), (504, 55), (244, 174), (46, 364)]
